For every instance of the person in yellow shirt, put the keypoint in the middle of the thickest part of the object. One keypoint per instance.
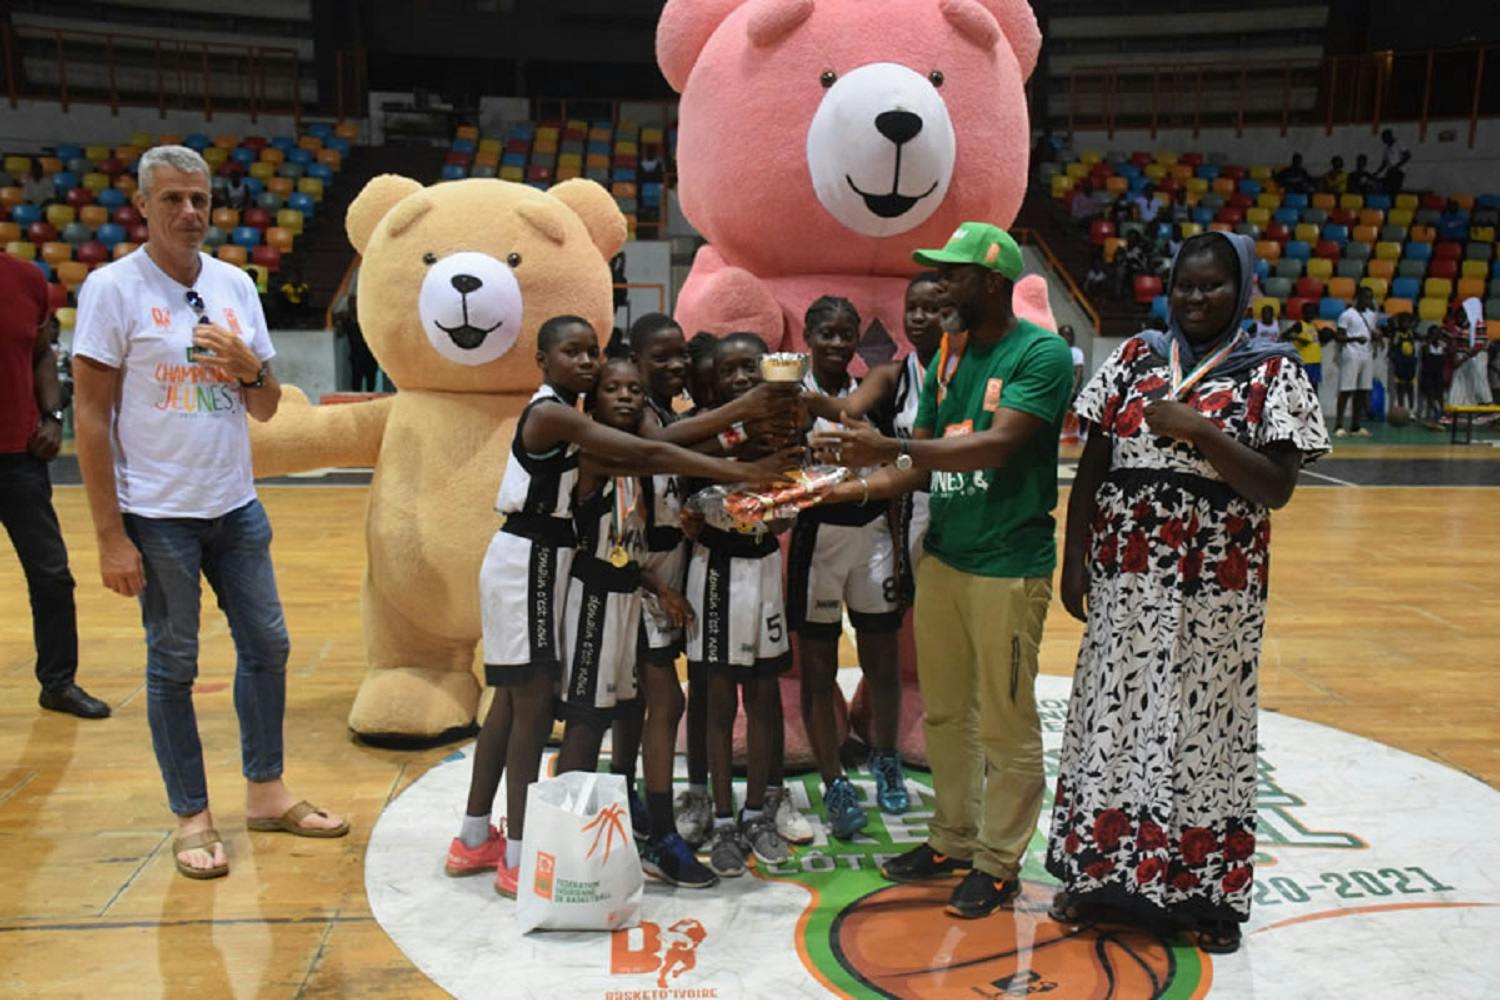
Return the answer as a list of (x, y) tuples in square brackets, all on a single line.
[(1306, 335)]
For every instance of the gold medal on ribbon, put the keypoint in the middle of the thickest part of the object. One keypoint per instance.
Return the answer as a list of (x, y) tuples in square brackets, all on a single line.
[(618, 557)]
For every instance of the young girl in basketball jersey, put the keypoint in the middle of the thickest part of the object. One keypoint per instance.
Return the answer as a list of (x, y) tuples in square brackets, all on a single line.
[(738, 640), (841, 555), (521, 582), (892, 391)]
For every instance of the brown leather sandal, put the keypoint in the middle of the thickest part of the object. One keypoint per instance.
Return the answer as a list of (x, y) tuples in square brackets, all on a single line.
[(291, 822), (197, 841)]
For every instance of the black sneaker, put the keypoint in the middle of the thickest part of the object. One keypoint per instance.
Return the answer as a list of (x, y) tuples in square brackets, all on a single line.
[(669, 859), (981, 894), (922, 863)]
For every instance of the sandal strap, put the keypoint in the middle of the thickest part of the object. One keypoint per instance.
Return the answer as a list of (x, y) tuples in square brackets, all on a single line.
[(196, 841), (297, 813)]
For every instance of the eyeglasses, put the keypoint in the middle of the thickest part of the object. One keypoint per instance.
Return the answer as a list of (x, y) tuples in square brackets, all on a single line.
[(195, 302)]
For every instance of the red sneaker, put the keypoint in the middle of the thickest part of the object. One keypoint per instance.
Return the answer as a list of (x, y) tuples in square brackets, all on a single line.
[(506, 878), (464, 860)]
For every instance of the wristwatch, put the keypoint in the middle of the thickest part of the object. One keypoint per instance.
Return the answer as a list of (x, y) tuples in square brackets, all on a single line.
[(53, 415), (903, 457), (260, 379)]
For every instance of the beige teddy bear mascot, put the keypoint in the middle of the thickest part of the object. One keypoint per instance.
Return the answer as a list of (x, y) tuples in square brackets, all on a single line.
[(455, 282)]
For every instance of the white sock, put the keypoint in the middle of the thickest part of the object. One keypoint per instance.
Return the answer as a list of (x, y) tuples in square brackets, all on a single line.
[(512, 853), (723, 822), (697, 789), (748, 815), (474, 831)]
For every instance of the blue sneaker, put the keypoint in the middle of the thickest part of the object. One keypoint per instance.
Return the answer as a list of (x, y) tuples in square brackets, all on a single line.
[(669, 859), (640, 818), (890, 782), (845, 815)]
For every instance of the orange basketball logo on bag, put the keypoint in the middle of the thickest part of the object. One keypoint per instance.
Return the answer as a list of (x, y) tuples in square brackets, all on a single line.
[(546, 865), (669, 952), (609, 822)]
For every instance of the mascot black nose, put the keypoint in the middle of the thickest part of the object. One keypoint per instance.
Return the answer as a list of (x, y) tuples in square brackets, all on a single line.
[(467, 283), (898, 126)]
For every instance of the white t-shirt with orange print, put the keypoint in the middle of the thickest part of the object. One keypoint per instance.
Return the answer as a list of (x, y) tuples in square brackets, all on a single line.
[(181, 442)]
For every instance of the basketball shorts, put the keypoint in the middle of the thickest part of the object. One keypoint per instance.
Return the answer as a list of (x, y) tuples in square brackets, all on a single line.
[(601, 619), (521, 586), (739, 618), (833, 566), (660, 642), (1356, 374)]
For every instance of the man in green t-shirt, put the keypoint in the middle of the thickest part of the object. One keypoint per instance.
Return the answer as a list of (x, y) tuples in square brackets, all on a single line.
[(985, 444)]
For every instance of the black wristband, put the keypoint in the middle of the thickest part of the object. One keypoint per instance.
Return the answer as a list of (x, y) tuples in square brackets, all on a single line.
[(260, 379)]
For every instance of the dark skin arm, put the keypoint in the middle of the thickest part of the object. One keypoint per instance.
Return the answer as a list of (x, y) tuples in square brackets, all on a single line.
[(1083, 501), (884, 483), (47, 438), (615, 452), (1266, 478), (859, 444), (763, 402)]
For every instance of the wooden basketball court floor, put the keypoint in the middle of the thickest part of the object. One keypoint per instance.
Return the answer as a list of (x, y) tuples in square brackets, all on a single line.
[(1383, 622)]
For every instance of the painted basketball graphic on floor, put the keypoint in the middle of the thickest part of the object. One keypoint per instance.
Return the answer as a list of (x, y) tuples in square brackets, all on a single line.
[(1376, 871)]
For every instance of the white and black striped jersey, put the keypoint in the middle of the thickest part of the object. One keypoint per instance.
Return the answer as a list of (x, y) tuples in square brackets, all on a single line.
[(539, 485)]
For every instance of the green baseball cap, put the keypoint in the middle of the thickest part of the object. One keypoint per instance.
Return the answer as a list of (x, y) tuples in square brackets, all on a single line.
[(977, 243)]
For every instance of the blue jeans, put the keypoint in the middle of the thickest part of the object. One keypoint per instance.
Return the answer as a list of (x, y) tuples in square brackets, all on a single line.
[(234, 553)]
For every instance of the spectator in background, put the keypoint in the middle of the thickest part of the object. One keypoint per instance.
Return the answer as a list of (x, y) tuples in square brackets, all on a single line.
[(1181, 210), (1432, 377), (1305, 336), (1295, 177), (1146, 205), (36, 189), (292, 303), (1129, 262), (1267, 327), (1358, 331), (1360, 181), (236, 192), (363, 369), (1081, 205), (1098, 275), (1121, 211), (31, 426), (1391, 174), (650, 169), (1335, 181), (1066, 332), (1403, 357)]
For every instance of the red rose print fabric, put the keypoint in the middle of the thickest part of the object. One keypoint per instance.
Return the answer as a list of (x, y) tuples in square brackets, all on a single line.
[(1156, 792)]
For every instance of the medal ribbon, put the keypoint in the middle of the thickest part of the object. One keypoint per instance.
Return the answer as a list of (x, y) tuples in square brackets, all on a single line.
[(1182, 383), (627, 497), (948, 362)]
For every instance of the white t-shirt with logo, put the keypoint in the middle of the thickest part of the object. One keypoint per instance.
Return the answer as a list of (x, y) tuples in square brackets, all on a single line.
[(1357, 324), (180, 437)]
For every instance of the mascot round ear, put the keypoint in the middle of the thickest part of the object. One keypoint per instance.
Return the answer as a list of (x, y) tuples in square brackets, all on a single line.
[(597, 208), (683, 30), (1019, 25), (371, 205)]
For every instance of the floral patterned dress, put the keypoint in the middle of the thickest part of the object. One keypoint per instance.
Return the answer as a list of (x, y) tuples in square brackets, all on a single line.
[(1155, 801)]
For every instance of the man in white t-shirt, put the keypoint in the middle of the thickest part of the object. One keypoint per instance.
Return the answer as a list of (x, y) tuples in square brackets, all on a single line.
[(171, 353), (1359, 328)]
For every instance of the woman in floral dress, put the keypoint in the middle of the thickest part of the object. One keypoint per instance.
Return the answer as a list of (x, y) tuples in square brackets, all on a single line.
[(1198, 433)]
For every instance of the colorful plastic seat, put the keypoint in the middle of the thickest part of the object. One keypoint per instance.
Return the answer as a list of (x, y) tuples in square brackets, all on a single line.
[(1332, 309), (290, 219), (70, 273), (1432, 310), (92, 253), (280, 238), (77, 233), (55, 252), (232, 253), (24, 249), (256, 218), (302, 202)]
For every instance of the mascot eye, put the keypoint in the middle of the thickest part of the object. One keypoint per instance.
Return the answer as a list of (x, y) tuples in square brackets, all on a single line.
[(936, 76), (829, 78), (429, 258), (514, 260)]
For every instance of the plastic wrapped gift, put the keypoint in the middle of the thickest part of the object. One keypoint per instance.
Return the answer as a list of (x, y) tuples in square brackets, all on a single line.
[(743, 508)]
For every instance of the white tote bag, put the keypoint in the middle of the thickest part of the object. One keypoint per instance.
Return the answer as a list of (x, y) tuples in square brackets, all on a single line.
[(579, 867)]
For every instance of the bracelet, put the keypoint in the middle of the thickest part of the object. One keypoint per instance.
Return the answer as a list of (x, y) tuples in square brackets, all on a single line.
[(733, 437), (865, 485)]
